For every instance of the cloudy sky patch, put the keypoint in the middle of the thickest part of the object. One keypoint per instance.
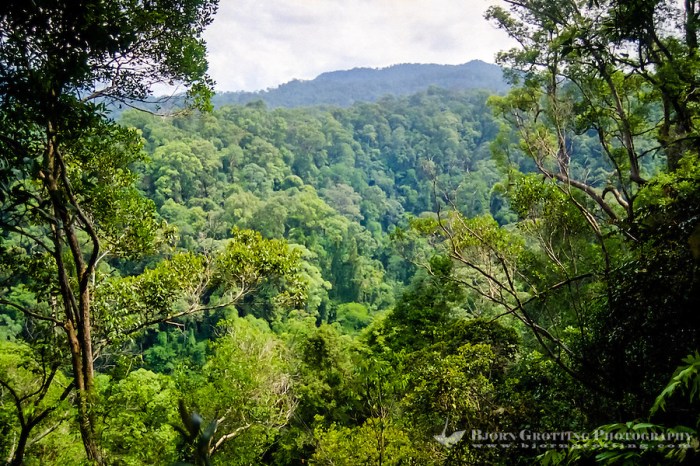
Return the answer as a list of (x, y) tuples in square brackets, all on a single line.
[(259, 44)]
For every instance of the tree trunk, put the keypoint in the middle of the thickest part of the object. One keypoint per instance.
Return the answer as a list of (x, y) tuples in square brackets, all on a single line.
[(18, 455), (85, 397), (77, 311)]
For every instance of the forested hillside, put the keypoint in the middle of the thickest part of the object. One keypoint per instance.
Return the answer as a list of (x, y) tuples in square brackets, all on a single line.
[(450, 277), (343, 88), (335, 182)]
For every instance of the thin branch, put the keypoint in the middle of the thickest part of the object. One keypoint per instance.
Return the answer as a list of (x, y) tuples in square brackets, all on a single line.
[(40, 436), (557, 286), (87, 224), (192, 310), (228, 436), (34, 238), (29, 313), (17, 401)]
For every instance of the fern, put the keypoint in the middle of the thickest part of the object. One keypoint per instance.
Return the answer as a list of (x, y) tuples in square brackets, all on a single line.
[(686, 377)]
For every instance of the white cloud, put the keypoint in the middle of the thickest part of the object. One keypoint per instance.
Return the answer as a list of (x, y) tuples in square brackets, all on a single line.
[(256, 44)]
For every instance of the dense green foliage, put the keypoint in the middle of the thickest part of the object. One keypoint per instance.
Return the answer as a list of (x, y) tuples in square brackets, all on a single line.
[(66, 187), (375, 284)]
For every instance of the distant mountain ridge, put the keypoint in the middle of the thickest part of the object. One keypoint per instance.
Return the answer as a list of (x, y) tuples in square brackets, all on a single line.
[(343, 88)]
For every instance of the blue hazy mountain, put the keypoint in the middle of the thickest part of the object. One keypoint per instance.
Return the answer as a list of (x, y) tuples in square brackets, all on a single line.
[(343, 88)]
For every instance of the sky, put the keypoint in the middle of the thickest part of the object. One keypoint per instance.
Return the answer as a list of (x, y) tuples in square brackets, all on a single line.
[(260, 44)]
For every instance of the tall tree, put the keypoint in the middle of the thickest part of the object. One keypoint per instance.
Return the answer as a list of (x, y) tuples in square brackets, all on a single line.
[(65, 183), (613, 79)]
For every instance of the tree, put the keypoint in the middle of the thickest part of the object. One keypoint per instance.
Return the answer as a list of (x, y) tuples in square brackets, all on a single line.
[(36, 390), (187, 283), (617, 69), (246, 387), (605, 116), (139, 412), (65, 181), (377, 441)]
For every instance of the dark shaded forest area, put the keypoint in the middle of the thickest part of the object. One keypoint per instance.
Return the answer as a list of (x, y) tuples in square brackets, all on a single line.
[(448, 277)]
